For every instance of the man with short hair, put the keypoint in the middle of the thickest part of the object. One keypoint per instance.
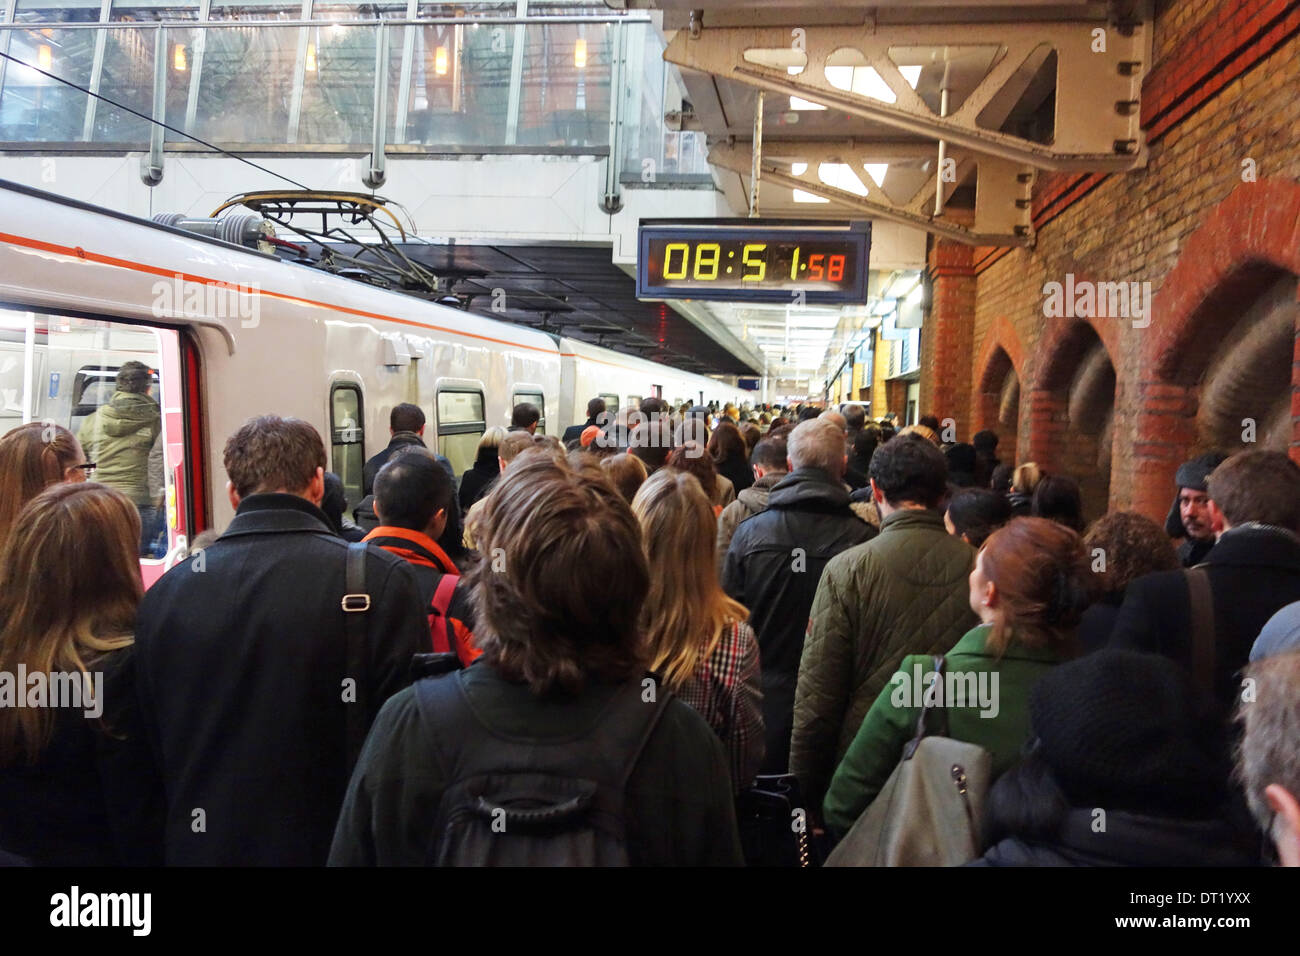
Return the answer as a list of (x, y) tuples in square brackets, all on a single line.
[(1269, 757), (1253, 571), (775, 561), (769, 463), (524, 418), (904, 592), (595, 416), (405, 427), (1189, 518), (413, 499), (242, 655), (510, 448)]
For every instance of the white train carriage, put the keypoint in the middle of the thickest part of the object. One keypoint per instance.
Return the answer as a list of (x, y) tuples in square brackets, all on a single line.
[(232, 333)]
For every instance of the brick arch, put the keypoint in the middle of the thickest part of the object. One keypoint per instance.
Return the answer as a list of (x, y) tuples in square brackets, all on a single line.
[(1254, 230), (1001, 343), (1055, 348), (1057, 441), (1002, 336)]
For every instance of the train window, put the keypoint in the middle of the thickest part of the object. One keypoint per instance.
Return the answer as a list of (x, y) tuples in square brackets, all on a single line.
[(611, 403), (533, 398), (117, 387), (634, 401), (461, 422), (347, 454)]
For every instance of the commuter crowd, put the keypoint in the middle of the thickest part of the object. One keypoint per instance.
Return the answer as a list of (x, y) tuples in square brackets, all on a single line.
[(673, 636)]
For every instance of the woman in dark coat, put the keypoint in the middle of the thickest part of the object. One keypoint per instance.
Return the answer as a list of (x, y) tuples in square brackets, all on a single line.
[(77, 786), (484, 471), (730, 455), (1125, 770)]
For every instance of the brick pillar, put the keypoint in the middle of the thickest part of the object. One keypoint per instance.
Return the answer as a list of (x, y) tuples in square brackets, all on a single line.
[(948, 337), (1166, 432)]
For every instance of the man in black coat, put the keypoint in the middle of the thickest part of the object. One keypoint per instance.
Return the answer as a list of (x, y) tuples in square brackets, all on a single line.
[(775, 563), (595, 411), (406, 426), (1254, 570), (242, 663)]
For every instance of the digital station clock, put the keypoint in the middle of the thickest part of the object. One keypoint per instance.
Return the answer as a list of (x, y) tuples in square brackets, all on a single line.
[(748, 260)]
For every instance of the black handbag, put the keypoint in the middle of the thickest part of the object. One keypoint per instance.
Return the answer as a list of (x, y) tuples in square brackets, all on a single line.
[(775, 826)]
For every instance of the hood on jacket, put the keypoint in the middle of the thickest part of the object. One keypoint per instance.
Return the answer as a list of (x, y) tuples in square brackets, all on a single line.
[(755, 496), (809, 488), (128, 412)]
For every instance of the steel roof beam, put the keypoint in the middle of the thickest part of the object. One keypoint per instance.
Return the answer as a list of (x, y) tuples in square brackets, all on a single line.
[(1097, 94), (1002, 189)]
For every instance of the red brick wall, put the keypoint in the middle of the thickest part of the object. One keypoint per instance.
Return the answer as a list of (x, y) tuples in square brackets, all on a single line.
[(1223, 90)]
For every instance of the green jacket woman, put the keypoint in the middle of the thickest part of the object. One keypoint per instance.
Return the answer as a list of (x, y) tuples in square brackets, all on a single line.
[(1029, 587), (989, 707)]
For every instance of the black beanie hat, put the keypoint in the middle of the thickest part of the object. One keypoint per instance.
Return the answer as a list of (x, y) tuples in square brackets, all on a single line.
[(1194, 474), (1122, 730)]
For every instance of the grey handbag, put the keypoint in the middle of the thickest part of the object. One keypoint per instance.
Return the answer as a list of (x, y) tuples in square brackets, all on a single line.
[(928, 812)]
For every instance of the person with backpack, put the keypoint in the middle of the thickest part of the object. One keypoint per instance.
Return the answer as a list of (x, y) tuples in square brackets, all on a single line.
[(413, 499), (1029, 588), (555, 748)]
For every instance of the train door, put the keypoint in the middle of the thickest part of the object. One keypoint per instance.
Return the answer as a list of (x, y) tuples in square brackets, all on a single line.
[(462, 420), (118, 387), (348, 439)]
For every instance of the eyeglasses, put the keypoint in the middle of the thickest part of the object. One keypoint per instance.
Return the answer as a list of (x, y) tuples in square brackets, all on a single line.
[(87, 468)]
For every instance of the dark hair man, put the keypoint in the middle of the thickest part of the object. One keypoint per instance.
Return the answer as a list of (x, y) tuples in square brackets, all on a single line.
[(414, 497), (561, 664), (776, 559), (406, 427), (1252, 572), (242, 662), (769, 464), (1189, 517), (904, 592), (524, 418), (595, 409)]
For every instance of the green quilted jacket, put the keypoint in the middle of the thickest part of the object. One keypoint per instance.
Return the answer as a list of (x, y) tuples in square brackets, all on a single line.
[(904, 592)]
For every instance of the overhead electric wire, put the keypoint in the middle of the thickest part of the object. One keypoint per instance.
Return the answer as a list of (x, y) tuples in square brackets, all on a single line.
[(173, 129)]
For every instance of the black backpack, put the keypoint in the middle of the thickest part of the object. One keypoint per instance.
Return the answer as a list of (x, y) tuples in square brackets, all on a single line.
[(523, 802)]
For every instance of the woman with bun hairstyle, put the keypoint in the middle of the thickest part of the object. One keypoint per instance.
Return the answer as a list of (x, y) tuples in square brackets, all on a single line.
[(1029, 588)]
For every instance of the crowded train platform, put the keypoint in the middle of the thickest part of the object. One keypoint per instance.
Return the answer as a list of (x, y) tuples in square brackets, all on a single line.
[(771, 437)]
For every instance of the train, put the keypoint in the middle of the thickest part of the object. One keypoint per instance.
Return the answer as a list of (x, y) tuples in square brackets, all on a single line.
[(232, 332)]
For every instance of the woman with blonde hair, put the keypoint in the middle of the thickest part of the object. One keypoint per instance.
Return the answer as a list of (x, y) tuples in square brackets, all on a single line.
[(484, 471), (32, 457), (696, 636), (76, 780), (1024, 481)]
